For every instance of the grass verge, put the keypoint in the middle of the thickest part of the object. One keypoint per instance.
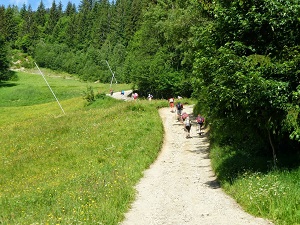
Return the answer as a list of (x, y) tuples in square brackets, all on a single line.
[(259, 189)]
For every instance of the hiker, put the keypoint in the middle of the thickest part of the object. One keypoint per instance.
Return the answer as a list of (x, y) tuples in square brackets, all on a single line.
[(150, 97), (122, 92), (111, 92), (187, 126), (171, 102), (200, 121), (135, 96), (179, 108), (184, 115)]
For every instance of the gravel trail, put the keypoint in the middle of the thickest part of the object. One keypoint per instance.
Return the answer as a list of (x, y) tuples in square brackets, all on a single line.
[(180, 186)]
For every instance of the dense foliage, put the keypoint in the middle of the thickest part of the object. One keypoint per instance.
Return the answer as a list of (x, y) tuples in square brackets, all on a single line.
[(4, 63), (249, 74), (238, 58)]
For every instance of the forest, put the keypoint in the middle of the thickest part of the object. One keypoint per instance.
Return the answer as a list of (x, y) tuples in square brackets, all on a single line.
[(238, 58)]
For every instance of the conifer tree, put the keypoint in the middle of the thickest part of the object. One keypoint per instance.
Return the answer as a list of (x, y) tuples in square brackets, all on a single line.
[(4, 64), (70, 9), (71, 30), (59, 10), (84, 23), (53, 18), (23, 11), (102, 22), (2, 19), (40, 15), (26, 33)]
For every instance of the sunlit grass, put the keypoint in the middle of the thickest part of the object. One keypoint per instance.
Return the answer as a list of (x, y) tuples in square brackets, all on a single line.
[(274, 195), (31, 88), (74, 168), (79, 167), (271, 194)]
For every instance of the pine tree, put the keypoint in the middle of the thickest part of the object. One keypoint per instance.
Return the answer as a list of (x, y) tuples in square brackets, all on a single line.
[(84, 23), (70, 9), (53, 18), (59, 10), (27, 32), (102, 22), (72, 32), (12, 21), (23, 11), (40, 15), (2, 20), (4, 64)]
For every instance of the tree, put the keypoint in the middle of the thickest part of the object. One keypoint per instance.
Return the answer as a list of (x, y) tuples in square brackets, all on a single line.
[(84, 23), (2, 20), (247, 77), (28, 30), (4, 63), (53, 18), (70, 9), (40, 15), (162, 45), (263, 27), (102, 16)]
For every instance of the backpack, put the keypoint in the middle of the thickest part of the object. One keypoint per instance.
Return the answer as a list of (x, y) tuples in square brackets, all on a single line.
[(187, 122), (179, 106), (200, 119)]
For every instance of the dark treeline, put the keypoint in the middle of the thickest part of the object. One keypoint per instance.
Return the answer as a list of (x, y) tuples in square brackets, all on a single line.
[(239, 58)]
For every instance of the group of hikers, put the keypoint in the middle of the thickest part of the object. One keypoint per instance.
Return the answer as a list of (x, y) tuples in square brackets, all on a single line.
[(184, 118), (181, 116), (135, 95)]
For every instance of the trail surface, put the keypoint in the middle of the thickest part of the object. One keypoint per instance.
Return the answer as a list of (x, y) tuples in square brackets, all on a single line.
[(125, 97), (180, 186)]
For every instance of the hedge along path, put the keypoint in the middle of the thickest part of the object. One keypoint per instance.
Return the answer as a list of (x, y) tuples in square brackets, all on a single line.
[(180, 186)]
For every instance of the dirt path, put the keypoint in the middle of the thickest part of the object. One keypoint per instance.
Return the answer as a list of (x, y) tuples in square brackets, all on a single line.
[(125, 97), (180, 187)]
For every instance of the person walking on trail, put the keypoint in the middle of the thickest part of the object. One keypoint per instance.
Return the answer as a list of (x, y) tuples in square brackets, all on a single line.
[(187, 127), (179, 108), (150, 97), (171, 102), (135, 96), (184, 115), (200, 121)]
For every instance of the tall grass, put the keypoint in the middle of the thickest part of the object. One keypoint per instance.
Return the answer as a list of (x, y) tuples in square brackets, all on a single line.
[(77, 168)]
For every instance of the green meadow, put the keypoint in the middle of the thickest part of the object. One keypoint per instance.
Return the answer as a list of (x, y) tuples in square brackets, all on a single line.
[(74, 168)]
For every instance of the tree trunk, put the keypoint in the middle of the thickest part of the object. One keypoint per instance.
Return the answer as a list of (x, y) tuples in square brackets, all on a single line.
[(273, 148)]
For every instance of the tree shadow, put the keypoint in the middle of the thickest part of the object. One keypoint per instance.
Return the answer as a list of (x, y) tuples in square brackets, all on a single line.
[(7, 84), (213, 184)]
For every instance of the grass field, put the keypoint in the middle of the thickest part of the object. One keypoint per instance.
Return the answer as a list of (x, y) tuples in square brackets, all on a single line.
[(77, 168), (31, 88)]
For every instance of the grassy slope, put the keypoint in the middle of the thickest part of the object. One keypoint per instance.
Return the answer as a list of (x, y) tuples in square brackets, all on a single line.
[(75, 168), (31, 89)]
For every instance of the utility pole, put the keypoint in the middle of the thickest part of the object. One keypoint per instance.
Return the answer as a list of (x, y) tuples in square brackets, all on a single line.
[(113, 75)]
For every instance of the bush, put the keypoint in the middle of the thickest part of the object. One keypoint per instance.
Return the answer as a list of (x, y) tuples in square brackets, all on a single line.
[(89, 95)]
